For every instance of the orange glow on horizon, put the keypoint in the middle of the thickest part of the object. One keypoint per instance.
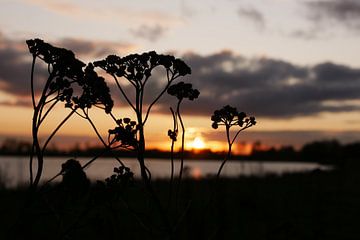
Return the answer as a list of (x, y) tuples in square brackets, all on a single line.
[(198, 143)]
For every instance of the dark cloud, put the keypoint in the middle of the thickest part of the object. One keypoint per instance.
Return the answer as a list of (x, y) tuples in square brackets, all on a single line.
[(253, 15), (264, 87), (150, 33), (344, 12), (15, 62), (14, 66), (270, 87)]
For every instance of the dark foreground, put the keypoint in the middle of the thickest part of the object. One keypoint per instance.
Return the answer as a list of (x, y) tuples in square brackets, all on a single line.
[(316, 205)]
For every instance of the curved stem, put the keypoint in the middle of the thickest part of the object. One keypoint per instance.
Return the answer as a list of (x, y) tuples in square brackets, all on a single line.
[(32, 81), (36, 146), (182, 148), (228, 153)]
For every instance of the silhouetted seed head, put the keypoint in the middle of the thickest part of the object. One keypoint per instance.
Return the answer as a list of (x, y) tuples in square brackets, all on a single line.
[(183, 90), (95, 91), (137, 67), (229, 116), (173, 135), (66, 71), (125, 132), (62, 61), (122, 177)]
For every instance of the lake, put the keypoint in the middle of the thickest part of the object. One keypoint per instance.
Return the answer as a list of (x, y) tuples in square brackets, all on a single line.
[(15, 169)]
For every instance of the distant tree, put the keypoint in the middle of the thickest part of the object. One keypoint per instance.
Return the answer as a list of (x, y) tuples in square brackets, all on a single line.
[(329, 152)]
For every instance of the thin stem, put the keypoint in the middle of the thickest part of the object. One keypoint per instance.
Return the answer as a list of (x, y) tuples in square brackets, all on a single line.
[(228, 153), (172, 157), (94, 127), (99, 136), (156, 99), (32, 81), (56, 129), (123, 93), (31, 165), (94, 158), (182, 148), (47, 112), (247, 126)]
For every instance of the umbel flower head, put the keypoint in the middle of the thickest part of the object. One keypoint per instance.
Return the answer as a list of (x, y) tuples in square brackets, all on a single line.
[(66, 71), (125, 133), (183, 90), (61, 60), (95, 91), (229, 116), (138, 67)]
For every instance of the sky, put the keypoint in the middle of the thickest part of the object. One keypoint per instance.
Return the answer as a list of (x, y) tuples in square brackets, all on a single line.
[(293, 64)]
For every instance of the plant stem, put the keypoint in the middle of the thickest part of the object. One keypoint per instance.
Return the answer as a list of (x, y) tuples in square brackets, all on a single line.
[(172, 156), (182, 149), (228, 153)]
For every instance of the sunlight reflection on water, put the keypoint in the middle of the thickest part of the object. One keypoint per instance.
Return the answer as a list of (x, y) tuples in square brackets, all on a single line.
[(15, 170)]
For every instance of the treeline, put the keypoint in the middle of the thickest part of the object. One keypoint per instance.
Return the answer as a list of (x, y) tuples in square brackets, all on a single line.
[(324, 152)]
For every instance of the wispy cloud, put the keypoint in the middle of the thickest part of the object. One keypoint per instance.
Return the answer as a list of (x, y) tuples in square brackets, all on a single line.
[(345, 13), (97, 48), (253, 15), (151, 33), (103, 12)]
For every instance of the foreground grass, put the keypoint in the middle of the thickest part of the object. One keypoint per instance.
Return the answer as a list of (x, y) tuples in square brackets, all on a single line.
[(316, 205)]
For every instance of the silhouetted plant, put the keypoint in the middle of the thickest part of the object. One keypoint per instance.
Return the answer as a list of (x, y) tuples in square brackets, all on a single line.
[(229, 117), (80, 88), (64, 70), (137, 69), (122, 176), (181, 91)]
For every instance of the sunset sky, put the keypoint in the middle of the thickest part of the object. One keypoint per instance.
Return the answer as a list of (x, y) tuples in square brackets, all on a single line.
[(294, 64)]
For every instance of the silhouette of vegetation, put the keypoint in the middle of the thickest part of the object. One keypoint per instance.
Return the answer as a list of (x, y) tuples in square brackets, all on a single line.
[(79, 87), (229, 116), (315, 205), (181, 91)]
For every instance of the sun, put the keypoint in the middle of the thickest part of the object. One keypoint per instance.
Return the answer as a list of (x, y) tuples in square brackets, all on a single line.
[(198, 143)]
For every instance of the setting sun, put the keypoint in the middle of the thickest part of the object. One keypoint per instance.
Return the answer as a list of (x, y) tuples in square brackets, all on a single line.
[(198, 143)]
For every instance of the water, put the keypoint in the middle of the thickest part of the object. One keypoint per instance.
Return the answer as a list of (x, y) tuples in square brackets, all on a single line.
[(15, 169)]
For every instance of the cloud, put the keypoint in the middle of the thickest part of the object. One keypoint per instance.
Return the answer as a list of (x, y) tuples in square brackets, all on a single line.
[(264, 87), (110, 12), (95, 49), (150, 33), (253, 15), (345, 13), (15, 62), (271, 88)]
